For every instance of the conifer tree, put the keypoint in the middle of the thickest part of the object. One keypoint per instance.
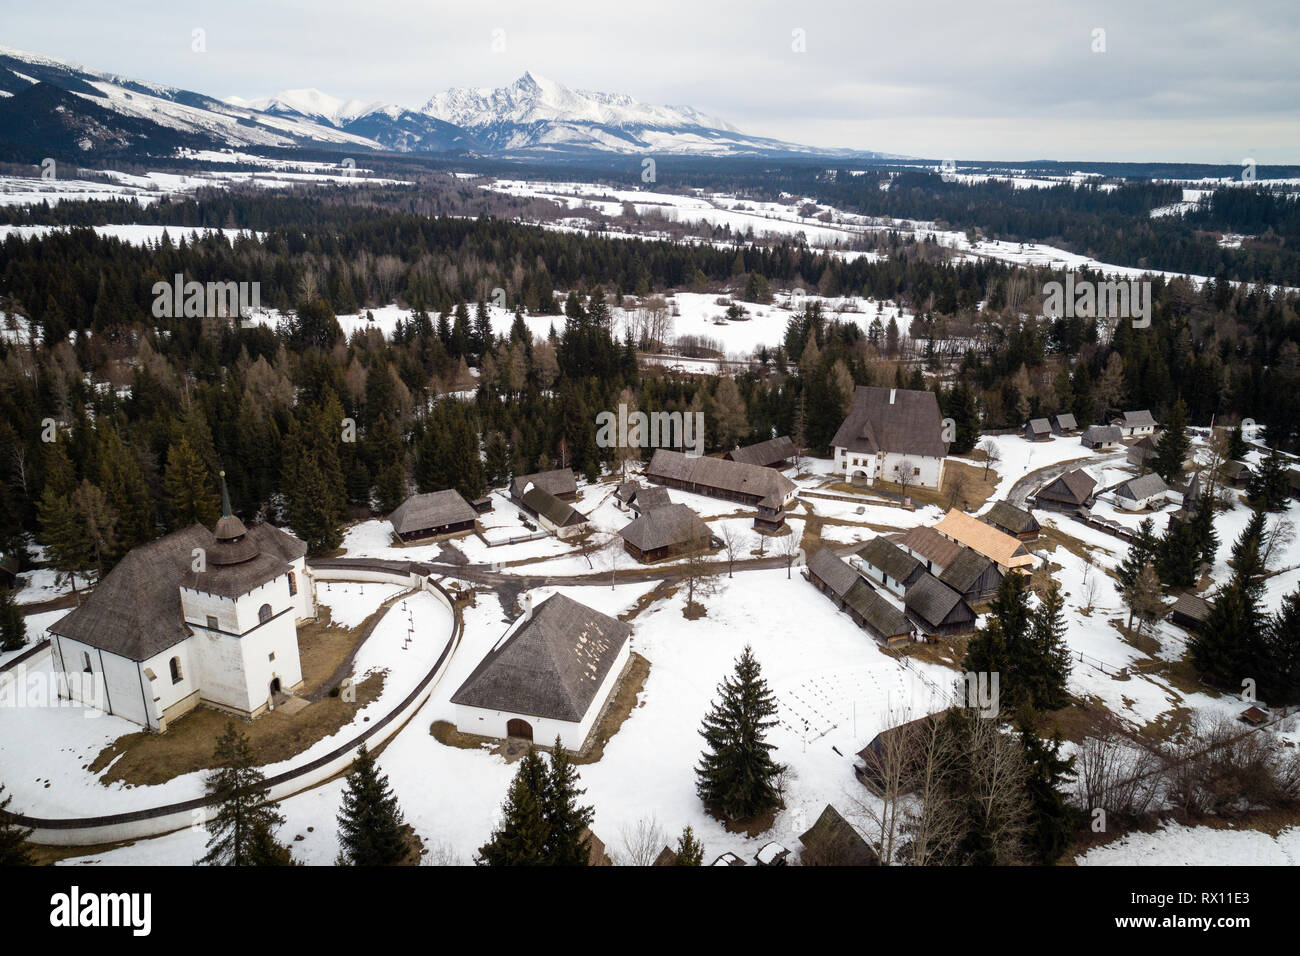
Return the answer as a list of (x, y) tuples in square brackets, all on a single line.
[(189, 489), (13, 626), (1280, 685), (1173, 444), (690, 852), (736, 774), (1052, 818), (567, 843), (1269, 487), (14, 849), (1141, 552), (521, 837), (242, 817), (1051, 654), (371, 828), (1231, 644)]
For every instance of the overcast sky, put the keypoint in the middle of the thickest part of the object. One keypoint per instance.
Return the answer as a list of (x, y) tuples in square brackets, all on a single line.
[(1179, 80)]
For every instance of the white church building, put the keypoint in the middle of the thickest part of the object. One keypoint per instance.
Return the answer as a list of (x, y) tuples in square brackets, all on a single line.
[(195, 617)]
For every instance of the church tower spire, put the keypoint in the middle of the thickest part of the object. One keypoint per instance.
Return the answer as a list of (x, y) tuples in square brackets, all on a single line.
[(233, 545)]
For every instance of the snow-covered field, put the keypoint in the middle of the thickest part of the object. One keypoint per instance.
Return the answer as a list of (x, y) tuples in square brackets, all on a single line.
[(1177, 845), (834, 686), (46, 744)]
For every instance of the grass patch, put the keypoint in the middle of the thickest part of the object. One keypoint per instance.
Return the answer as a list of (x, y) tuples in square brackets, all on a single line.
[(147, 759)]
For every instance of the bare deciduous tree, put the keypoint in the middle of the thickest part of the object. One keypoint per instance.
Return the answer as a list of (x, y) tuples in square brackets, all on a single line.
[(642, 842)]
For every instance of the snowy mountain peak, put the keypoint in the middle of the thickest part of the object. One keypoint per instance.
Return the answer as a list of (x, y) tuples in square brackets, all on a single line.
[(311, 103)]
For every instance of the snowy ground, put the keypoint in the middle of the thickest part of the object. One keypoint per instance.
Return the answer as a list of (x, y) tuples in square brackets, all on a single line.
[(1177, 845), (835, 688), (694, 313), (51, 779)]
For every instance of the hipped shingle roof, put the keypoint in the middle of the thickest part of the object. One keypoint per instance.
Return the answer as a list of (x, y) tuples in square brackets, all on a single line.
[(551, 666)]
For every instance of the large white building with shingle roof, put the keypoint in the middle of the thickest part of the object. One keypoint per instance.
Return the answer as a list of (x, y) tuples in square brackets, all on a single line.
[(195, 617), (890, 429), (549, 676)]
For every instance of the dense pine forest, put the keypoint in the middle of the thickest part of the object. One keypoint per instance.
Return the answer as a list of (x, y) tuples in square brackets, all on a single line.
[(114, 423)]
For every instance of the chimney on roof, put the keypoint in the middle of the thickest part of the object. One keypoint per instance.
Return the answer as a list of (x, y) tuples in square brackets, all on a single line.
[(892, 391), (528, 609)]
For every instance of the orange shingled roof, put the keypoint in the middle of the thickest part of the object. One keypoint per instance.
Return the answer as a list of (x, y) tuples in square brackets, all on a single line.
[(997, 546)]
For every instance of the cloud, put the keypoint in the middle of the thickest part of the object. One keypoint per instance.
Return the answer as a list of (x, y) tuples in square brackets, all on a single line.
[(1178, 81)]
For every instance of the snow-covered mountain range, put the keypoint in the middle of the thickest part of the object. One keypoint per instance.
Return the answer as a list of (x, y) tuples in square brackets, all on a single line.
[(50, 104)]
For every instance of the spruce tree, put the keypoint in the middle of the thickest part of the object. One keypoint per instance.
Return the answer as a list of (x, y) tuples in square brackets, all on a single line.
[(189, 489), (1269, 487), (690, 852), (14, 849), (371, 828), (243, 818), (1141, 552), (1280, 685), (1173, 444), (1051, 654), (1053, 820), (1179, 553), (568, 842), (1231, 644), (13, 626), (736, 774), (521, 837)]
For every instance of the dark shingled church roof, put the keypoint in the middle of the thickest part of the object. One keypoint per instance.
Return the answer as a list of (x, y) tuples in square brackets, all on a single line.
[(551, 666), (135, 611), (899, 420)]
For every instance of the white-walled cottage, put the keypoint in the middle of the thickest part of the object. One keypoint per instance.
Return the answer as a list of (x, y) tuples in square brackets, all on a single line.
[(549, 676), (889, 429)]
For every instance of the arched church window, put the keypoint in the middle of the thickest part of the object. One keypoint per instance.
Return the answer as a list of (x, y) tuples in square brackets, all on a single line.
[(264, 613), (293, 584), (175, 665)]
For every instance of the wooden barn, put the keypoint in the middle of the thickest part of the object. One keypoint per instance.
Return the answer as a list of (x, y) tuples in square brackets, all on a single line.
[(1068, 492), (432, 514), (852, 595), (1064, 424), (773, 453), (764, 489), (937, 608), (1101, 437), (832, 841), (1038, 429), (1016, 522), (666, 532), (1189, 611)]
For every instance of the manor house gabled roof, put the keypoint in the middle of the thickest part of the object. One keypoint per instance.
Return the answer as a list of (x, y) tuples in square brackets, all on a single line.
[(899, 420)]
